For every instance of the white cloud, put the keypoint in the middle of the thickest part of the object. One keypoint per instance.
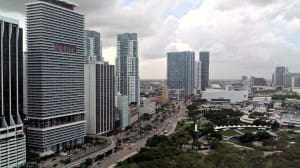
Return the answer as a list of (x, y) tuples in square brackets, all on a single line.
[(246, 37)]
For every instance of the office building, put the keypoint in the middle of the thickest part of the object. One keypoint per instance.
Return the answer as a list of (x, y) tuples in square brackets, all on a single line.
[(12, 138), (93, 49), (244, 78), (127, 67), (296, 82), (181, 71), (198, 75), (165, 93), (99, 97), (225, 96), (258, 81), (288, 79), (123, 109), (279, 76), (55, 67), (204, 58)]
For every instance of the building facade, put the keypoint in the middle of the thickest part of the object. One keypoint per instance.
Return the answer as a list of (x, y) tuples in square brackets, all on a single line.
[(279, 76), (288, 79), (55, 67), (123, 109), (204, 58), (258, 81), (181, 72), (296, 82), (225, 96), (93, 45), (127, 67), (99, 97), (12, 138), (198, 75)]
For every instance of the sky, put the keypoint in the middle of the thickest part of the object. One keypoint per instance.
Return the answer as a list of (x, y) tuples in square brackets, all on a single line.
[(244, 37)]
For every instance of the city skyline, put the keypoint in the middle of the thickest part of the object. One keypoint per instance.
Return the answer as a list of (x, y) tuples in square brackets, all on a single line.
[(256, 36)]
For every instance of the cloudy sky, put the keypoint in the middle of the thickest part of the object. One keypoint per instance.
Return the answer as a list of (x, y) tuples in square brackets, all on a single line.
[(244, 37)]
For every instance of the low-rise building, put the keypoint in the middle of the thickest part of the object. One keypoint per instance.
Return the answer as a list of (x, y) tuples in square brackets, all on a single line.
[(147, 106), (286, 119), (231, 96)]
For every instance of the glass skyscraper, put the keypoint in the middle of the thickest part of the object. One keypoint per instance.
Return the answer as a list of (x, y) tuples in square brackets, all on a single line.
[(127, 67), (55, 67), (93, 47), (204, 58), (181, 72)]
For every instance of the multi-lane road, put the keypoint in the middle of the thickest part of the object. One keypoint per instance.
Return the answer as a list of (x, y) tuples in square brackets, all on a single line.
[(169, 125), (129, 149)]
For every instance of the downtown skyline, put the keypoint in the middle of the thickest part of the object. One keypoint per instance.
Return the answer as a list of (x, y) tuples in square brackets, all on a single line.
[(236, 37)]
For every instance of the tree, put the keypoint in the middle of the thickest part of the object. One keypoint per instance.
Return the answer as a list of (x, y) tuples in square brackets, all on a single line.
[(275, 125), (216, 135), (261, 135), (259, 122), (247, 137)]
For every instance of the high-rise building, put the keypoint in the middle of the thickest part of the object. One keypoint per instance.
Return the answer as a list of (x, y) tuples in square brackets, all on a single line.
[(197, 75), (12, 138), (123, 109), (258, 81), (99, 97), (288, 79), (204, 58), (55, 67), (244, 78), (181, 71), (93, 47), (296, 82), (127, 67), (165, 93), (279, 76)]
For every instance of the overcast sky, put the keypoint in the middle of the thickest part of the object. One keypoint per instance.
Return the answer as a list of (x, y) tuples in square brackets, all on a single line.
[(244, 37)]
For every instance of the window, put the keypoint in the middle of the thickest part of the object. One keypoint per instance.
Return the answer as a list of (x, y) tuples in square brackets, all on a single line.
[(64, 48)]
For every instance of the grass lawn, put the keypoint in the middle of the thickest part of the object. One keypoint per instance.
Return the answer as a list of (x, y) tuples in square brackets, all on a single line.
[(249, 130), (229, 133), (184, 126)]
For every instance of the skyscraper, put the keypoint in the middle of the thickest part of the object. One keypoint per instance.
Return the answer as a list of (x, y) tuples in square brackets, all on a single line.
[(99, 97), (181, 71), (279, 76), (93, 47), (55, 67), (197, 75), (204, 58), (127, 67), (296, 82), (12, 138)]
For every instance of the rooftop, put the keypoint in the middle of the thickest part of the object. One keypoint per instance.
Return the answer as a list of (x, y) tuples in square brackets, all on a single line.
[(62, 3)]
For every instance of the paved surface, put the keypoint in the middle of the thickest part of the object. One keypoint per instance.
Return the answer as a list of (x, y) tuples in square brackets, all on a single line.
[(169, 126), (129, 149), (93, 155)]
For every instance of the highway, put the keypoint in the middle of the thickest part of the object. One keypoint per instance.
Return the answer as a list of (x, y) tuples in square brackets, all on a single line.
[(129, 150), (93, 155)]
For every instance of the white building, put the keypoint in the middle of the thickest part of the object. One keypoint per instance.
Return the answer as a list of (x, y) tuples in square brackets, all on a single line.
[(197, 75), (230, 96), (288, 119)]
